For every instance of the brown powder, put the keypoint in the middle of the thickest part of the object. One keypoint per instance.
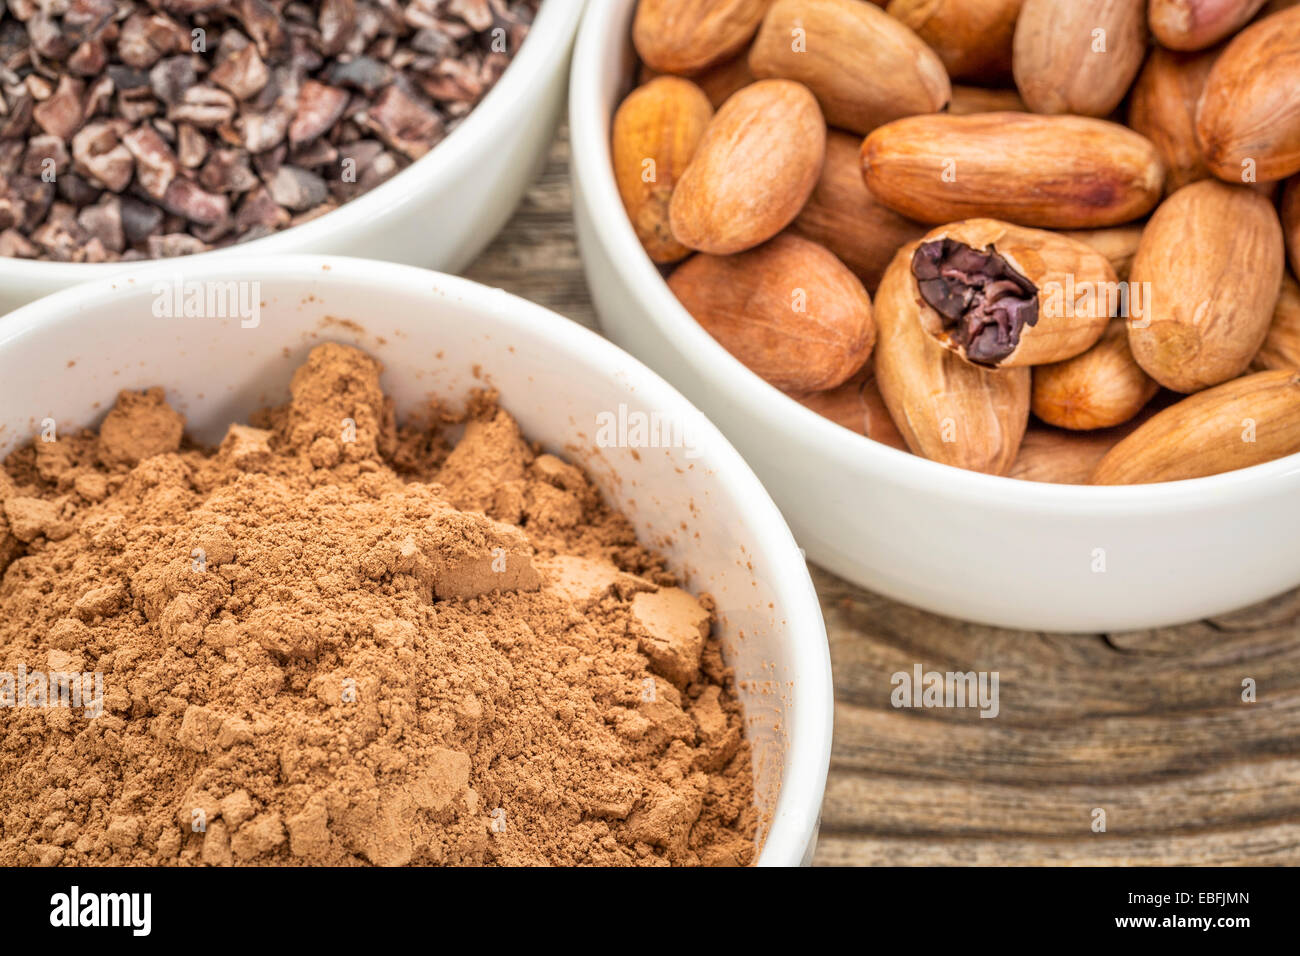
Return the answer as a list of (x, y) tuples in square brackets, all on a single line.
[(337, 641)]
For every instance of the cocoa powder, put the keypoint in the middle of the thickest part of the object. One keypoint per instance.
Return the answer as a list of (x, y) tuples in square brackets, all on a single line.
[(336, 640)]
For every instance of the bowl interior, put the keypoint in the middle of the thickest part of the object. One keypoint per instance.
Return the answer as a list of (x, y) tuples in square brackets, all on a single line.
[(604, 70), (687, 491)]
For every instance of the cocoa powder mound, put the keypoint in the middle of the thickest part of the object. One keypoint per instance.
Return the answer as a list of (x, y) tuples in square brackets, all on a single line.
[(332, 640)]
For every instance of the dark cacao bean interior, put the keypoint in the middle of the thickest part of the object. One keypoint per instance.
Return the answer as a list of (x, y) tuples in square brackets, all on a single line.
[(984, 303)]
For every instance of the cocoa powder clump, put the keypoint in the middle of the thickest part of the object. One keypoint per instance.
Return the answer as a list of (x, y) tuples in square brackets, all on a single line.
[(331, 640)]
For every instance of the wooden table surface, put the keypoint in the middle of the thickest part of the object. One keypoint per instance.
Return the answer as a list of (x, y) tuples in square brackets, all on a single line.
[(1149, 727)]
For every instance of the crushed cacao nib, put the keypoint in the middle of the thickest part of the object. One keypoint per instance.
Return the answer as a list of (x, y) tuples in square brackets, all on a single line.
[(134, 129), (983, 301)]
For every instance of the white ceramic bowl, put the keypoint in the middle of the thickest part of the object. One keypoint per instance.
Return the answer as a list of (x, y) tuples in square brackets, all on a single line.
[(439, 212), (994, 550), (434, 333)]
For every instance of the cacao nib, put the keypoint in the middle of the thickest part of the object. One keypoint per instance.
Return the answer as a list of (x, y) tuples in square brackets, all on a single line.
[(45, 154), (103, 221), (171, 78), (19, 120), (127, 78), (60, 115), (228, 171), (188, 199), (38, 198), (362, 73), (403, 123), (319, 110), (203, 106), (15, 245), (297, 189), (476, 13), (12, 152), (983, 301), (337, 20), (191, 146), (146, 38), (155, 163), (242, 74), (12, 209), (99, 99), (98, 154), (260, 210), (89, 59), (174, 244), (46, 37), (77, 190), (139, 220), (86, 19)]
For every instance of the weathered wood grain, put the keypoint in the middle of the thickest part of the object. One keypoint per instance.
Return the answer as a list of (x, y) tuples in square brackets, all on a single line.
[(1148, 726), (1277, 845), (536, 255)]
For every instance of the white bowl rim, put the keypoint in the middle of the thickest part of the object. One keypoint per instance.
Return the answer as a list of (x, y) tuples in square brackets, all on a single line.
[(795, 817), (490, 121), (593, 170)]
